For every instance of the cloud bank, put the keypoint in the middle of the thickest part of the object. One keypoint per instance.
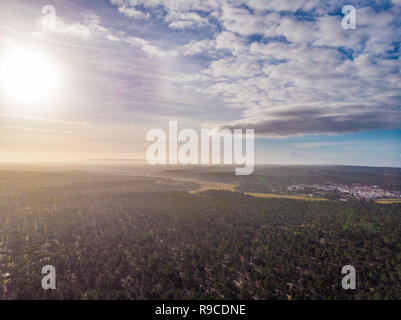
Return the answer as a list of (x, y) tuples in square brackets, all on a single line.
[(289, 66)]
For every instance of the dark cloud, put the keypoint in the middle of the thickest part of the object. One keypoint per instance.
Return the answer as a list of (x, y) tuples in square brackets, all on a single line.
[(317, 121)]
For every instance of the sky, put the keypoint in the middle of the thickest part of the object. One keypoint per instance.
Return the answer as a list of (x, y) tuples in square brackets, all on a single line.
[(315, 93)]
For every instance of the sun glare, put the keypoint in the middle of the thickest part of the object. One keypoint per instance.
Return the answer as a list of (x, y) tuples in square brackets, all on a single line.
[(27, 76)]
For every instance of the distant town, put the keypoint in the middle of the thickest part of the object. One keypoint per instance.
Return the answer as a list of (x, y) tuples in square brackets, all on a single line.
[(344, 192)]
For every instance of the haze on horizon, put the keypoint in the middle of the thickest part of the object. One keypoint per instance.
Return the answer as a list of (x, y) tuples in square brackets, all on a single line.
[(92, 85)]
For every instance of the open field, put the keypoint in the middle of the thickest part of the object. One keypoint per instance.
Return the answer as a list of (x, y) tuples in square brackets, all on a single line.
[(206, 186), (388, 201), (201, 186), (280, 196)]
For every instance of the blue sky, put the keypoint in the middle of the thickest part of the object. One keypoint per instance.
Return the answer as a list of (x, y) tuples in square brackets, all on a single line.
[(314, 92)]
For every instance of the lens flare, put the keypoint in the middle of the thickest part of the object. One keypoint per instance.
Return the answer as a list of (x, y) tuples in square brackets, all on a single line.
[(27, 76)]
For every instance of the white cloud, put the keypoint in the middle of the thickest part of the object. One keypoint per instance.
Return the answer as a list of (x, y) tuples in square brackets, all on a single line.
[(283, 69), (133, 13), (229, 41), (91, 26), (148, 48), (183, 20), (112, 38), (277, 5), (180, 13), (197, 47), (75, 29)]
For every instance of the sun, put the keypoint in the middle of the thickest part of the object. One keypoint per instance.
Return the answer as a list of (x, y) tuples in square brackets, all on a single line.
[(27, 76)]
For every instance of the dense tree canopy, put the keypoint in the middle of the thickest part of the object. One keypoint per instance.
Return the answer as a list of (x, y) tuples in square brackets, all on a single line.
[(140, 240)]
